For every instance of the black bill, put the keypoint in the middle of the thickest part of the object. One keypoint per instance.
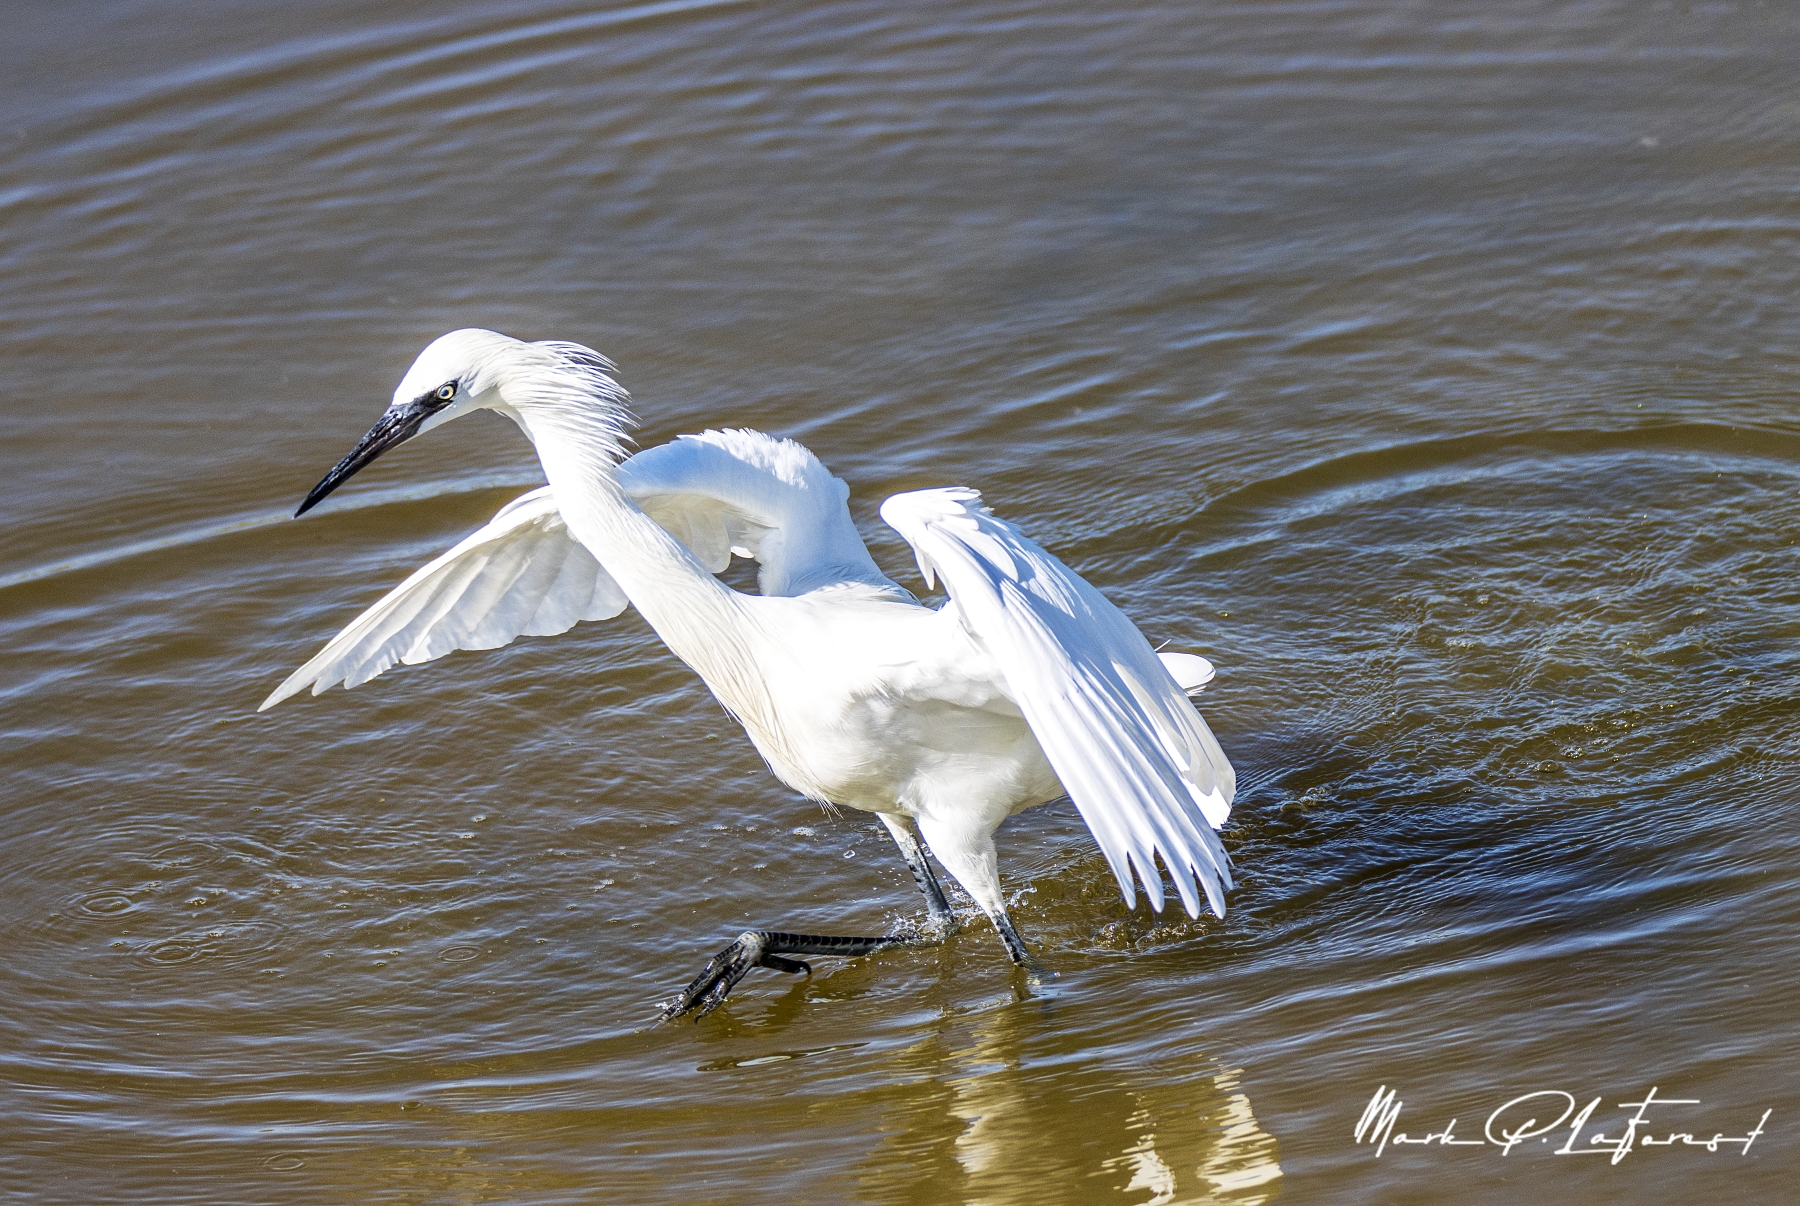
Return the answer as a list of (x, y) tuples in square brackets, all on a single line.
[(398, 425)]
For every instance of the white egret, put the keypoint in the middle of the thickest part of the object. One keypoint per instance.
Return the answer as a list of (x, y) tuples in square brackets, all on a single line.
[(1026, 685)]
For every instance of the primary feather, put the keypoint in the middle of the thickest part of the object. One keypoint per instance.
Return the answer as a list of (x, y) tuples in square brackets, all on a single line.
[(1137, 760)]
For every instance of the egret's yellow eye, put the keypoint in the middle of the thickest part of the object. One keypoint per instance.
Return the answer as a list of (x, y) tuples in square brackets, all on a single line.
[(446, 391)]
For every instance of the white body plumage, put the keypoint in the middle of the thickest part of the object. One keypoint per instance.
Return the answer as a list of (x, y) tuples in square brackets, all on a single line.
[(1026, 685)]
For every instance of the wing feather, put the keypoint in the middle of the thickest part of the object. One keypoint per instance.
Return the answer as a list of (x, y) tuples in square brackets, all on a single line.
[(1142, 767), (722, 492), (525, 574), (521, 573), (1190, 671)]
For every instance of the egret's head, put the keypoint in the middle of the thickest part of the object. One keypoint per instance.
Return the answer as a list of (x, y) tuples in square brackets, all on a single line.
[(475, 369)]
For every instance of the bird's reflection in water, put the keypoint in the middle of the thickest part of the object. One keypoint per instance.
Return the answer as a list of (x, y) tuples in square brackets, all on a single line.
[(999, 1114)]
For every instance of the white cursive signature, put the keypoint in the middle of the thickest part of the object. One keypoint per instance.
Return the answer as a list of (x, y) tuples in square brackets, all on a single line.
[(1518, 1120)]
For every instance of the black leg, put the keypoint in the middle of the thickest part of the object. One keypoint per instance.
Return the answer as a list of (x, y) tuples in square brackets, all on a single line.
[(1015, 945), (764, 948), (942, 920)]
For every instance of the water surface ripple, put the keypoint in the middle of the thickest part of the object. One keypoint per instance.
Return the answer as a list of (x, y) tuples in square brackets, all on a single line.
[(1429, 367)]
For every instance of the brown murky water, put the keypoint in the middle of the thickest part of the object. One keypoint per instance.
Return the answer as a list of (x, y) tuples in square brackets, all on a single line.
[(1430, 367)]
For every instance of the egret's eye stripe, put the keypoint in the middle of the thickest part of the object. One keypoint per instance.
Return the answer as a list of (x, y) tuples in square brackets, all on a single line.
[(446, 391)]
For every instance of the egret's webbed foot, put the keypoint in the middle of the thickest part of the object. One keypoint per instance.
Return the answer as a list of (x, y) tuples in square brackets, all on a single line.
[(765, 948)]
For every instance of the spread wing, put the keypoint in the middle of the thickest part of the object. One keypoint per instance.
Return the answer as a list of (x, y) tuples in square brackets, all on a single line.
[(725, 492), (525, 574), (1138, 761), (521, 575)]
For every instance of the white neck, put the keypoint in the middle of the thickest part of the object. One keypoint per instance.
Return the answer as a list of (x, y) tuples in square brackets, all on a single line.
[(702, 620)]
